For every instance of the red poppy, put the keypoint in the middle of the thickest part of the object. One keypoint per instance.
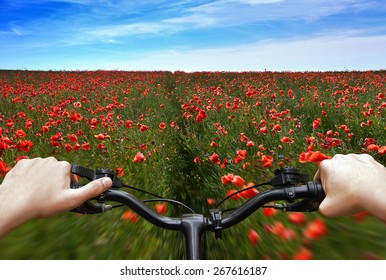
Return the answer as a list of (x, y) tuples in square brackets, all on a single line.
[(77, 104), (76, 117), (120, 171), (211, 201), (162, 125), (297, 217), (57, 137), (100, 136), (250, 143), (10, 123), (316, 229), (303, 254), (238, 181), (213, 144), (44, 128), (286, 139), (254, 237), (276, 127), (24, 145), (173, 124), (316, 123), (373, 147), (20, 133), (86, 146), (22, 115), (130, 216), (73, 138), (215, 158), (264, 130), (242, 153), (269, 212), (139, 157), (281, 231), (234, 197), (129, 124), (201, 116), (28, 123), (249, 193), (68, 147), (227, 178), (160, 208), (101, 146), (3, 168), (143, 127), (267, 161), (311, 156), (382, 150)]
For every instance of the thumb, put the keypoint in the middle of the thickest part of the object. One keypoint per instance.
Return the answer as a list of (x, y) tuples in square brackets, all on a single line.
[(94, 188), (317, 176)]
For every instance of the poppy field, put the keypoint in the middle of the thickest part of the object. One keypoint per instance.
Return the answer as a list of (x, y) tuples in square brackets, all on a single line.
[(193, 137)]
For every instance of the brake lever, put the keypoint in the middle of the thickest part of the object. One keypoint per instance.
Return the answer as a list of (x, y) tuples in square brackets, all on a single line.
[(92, 175), (305, 205), (288, 176), (92, 208), (88, 207)]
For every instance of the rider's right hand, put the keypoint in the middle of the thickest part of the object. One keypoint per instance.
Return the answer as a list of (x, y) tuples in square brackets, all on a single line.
[(353, 183)]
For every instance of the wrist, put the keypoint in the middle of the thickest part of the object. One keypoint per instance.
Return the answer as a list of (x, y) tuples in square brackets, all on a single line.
[(12, 212), (375, 200)]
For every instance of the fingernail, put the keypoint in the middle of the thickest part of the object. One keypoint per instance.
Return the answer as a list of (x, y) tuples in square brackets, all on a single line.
[(106, 181)]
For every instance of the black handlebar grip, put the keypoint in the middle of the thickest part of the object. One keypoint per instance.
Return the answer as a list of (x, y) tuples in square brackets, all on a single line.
[(312, 195), (318, 191), (316, 196)]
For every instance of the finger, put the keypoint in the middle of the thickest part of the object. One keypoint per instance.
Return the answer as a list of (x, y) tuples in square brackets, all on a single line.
[(317, 176), (320, 175), (74, 179), (93, 189)]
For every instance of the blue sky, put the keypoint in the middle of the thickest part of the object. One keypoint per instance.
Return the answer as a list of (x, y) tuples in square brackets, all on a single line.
[(193, 35)]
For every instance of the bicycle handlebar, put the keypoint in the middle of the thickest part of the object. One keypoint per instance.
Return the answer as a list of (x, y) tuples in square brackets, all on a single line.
[(289, 185)]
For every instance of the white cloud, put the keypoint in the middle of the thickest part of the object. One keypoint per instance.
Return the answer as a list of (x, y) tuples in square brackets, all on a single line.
[(322, 53), (124, 30)]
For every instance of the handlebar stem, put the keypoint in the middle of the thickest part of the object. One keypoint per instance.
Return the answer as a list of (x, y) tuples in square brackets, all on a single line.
[(193, 226)]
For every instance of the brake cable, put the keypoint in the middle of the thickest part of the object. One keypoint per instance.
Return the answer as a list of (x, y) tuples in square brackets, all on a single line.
[(118, 183), (285, 176), (158, 199), (240, 191)]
